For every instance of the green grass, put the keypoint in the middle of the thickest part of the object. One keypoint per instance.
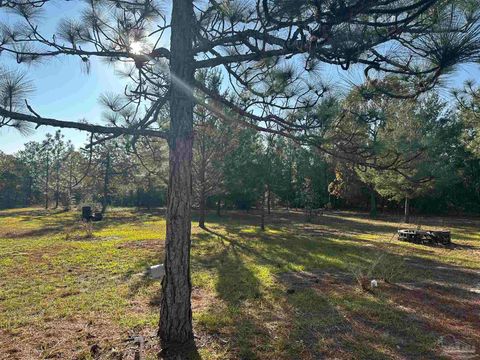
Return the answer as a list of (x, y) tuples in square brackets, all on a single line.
[(62, 292)]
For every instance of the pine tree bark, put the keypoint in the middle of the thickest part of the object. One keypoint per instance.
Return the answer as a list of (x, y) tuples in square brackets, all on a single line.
[(407, 210), (175, 330)]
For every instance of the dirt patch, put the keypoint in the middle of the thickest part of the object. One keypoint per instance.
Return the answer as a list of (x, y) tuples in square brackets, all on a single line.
[(74, 338), (202, 299), (311, 279), (145, 244)]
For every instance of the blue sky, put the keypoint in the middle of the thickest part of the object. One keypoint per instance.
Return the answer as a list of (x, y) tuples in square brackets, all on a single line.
[(62, 88), (64, 91)]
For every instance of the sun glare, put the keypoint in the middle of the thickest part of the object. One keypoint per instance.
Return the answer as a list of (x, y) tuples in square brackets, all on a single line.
[(136, 47)]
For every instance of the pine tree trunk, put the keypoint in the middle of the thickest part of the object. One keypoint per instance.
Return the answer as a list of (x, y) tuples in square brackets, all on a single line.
[(407, 210), (201, 220), (269, 200), (149, 195), (29, 191), (57, 188), (106, 184), (203, 195), (47, 183), (373, 204), (175, 330), (219, 207), (262, 220), (70, 186)]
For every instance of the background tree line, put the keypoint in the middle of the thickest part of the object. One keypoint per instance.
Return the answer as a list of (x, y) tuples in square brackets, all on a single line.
[(236, 167), (54, 174)]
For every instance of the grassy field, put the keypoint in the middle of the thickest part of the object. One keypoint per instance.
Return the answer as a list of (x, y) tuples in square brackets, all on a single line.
[(70, 292)]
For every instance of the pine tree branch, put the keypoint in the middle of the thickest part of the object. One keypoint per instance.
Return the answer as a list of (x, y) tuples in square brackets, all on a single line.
[(97, 129)]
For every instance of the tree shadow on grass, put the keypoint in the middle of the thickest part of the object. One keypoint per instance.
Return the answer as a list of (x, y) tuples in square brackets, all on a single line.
[(351, 324), (302, 327), (236, 283), (354, 223), (29, 213), (34, 233), (239, 287), (341, 321), (390, 322)]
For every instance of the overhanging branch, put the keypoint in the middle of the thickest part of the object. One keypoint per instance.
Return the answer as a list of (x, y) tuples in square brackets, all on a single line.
[(92, 128)]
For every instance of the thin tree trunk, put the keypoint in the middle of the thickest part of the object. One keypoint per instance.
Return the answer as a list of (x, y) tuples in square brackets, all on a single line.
[(47, 183), (219, 207), (70, 184), (29, 191), (407, 210), (175, 330), (203, 195), (106, 184), (201, 220), (269, 200), (57, 187), (373, 204), (262, 218), (149, 195)]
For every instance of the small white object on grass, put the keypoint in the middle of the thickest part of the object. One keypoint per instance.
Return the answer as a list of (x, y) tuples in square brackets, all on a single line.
[(373, 283), (156, 272)]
